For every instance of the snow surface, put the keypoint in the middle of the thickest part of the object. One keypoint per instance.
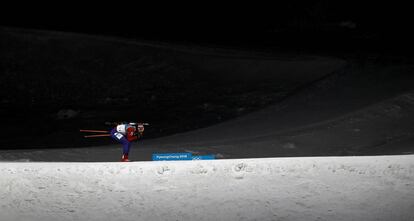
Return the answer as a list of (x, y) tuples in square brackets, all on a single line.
[(309, 188)]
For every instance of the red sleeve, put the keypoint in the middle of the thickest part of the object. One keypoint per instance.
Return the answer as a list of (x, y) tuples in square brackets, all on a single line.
[(130, 134)]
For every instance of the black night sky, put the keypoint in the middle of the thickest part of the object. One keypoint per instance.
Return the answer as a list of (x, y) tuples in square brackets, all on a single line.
[(315, 25)]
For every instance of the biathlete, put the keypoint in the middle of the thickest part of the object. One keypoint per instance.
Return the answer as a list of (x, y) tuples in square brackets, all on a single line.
[(127, 133)]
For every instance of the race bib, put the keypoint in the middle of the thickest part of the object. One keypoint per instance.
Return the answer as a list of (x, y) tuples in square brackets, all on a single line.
[(118, 135)]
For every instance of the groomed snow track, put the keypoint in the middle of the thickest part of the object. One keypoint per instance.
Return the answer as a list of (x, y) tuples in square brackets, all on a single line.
[(310, 188)]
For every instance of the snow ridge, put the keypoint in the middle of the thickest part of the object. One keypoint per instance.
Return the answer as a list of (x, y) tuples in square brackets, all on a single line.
[(309, 188)]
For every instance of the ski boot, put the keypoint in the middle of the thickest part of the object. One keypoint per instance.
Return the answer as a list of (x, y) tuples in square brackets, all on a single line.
[(125, 158)]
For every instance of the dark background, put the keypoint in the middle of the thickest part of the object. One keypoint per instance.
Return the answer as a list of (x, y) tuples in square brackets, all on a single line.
[(314, 25), (345, 29)]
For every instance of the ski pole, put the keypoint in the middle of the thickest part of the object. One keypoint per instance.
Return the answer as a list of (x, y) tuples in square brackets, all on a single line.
[(97, 135), (94, 131)]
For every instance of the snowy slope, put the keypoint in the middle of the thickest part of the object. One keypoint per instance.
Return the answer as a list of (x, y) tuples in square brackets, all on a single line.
[(331, 188), (368, 118), (358, 108)]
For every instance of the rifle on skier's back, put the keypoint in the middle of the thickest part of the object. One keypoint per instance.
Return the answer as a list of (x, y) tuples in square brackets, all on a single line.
[(118, 123)]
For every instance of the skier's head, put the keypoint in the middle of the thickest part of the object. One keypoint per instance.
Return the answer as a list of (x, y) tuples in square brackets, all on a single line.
[(140, 128)]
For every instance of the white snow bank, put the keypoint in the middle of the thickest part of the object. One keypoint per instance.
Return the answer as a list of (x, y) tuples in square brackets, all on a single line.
[(319, 188)]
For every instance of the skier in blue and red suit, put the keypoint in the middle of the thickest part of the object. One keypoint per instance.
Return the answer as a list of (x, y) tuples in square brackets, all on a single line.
[(125, 134)]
